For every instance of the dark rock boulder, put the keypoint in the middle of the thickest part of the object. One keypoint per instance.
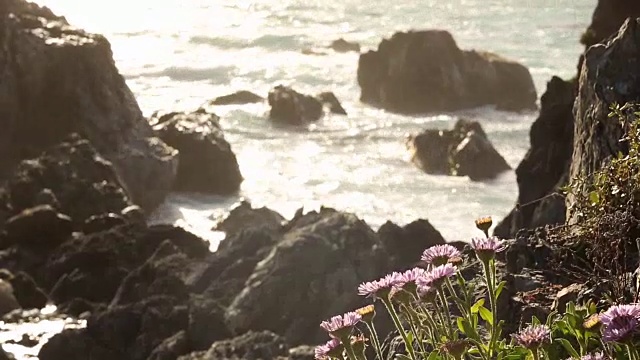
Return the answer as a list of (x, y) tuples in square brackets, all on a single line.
[(610, 74), (237, 98), (463, 151), (102, 222), (93, 266), (82, 182), (329, 100), (343, 46), (27, 292), (545, 166), (130, 332), (5, 356), (290, 107), (206, 323), (171, 348), (244, 216), (206, 161), (406, 244), (8, 301), (607, 18), (40, 227), (309, 276), (73, 86), (250, 346), (425, 71)]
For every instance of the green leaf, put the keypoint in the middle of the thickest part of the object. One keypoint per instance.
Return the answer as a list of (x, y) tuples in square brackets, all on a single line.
[(434, 355), (500, 288), (486, 315), (460, 321), (567, 346), (594, 198), (476, 306), (404, 357)]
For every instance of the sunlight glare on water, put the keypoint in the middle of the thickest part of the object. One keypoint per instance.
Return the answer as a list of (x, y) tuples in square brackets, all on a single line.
[(177, 54)]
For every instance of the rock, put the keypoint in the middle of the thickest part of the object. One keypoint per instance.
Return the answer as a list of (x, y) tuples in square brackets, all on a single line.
[(206, 323), (425, 71), (93, 266), (83, 182), (8, 301), (607, 18), (46, 197), (40, 227), (75, 344), (244, 215), (207, 163), (27, 292), (129, 332), (330, 100), (545, 167), (342, 46), (237, 98), (74, 86), (406, 244), (308, 277), (5, 356), (610, 74), (102, 222), (171, 348), (567, 295), (250, 346), (290, 107), (463, 151)]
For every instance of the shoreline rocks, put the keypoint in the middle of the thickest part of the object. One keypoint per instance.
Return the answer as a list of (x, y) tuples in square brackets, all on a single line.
[(463, 151), (293, 108), (74, 86), (425, 71)]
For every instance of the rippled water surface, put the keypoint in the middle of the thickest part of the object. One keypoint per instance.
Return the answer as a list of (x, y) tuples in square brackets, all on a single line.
[(176, 54)]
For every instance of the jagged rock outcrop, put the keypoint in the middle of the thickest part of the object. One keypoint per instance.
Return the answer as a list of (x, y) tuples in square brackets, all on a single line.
[(206, 161), (607, 18), (56, 80), (463, 151), (425, 71), (545, 166), (610, 75)]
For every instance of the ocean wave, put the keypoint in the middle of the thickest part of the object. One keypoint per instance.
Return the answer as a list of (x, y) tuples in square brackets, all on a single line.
[(268, 41), (177, 73)]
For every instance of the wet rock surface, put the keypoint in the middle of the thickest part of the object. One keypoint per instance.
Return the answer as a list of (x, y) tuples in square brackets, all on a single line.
[(463, 151), (206, 161), (425, 71), (237, 98), (73, 86)]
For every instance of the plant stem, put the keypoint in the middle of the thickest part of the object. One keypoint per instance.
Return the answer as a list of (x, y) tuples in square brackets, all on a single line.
[(489, 271), (463, 311), (416, 335), (396, 321), (536, 356), (374, 339), (347, 346), (447, 319)]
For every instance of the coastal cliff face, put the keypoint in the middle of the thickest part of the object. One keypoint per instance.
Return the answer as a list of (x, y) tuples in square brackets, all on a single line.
[(610, 75), (56, 80), (556, 147)]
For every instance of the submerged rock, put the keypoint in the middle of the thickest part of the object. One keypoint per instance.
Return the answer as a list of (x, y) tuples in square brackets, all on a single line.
[(73, 86), (545, 167), (425, 71), (237, 98), (206, 161), (463, 151), (343, 46)]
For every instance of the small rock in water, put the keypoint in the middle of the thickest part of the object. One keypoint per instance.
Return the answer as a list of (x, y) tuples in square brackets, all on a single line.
[(237, 98), (342, 45), (330, 100)]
